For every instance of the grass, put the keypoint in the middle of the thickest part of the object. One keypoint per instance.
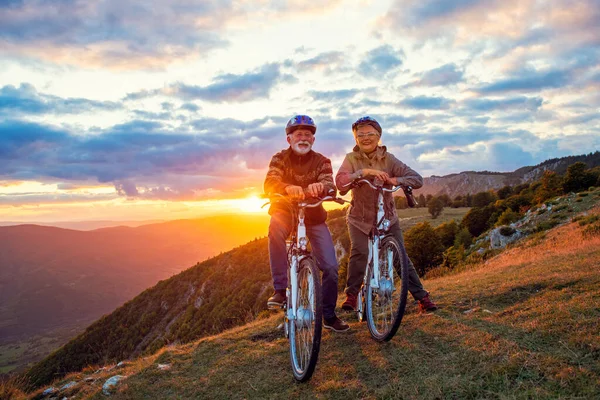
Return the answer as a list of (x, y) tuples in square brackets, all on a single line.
[(524, 324), (412, 216)]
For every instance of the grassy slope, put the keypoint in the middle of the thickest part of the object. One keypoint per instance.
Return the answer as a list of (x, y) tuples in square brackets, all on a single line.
[(523, 325)]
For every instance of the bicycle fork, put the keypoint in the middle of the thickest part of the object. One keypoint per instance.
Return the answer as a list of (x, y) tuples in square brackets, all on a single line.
[(301, 242)]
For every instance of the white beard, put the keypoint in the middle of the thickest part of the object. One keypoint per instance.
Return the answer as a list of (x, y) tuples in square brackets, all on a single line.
[(301, 150)]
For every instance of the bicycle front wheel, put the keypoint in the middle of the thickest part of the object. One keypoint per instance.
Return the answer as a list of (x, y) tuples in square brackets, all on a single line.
[(305, 328), (385, 304)]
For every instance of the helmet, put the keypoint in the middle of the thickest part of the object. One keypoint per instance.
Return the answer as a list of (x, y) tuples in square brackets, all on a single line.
[(367, 121), (300, 121)]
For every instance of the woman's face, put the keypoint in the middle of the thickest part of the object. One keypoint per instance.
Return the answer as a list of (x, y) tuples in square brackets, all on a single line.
[(367, 138)]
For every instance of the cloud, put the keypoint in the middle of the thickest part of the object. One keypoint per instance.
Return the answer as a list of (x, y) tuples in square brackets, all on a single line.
[(427, 103), (528, 81), (327, 63), (447, 74), (518, 103), (25, 99), (132, 34), (381, 61), (250, 86), (334, 95)]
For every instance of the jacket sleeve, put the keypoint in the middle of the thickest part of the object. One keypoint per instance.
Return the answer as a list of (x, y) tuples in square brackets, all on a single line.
[(345, 174), (274, 180), (325, 176), (406, 175)]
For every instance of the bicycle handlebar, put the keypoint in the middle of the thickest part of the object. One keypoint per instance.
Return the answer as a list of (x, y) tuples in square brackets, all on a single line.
[(412, 202), (302, 203)]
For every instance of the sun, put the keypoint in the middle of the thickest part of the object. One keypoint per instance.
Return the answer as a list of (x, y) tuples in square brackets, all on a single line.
[(251, 204)]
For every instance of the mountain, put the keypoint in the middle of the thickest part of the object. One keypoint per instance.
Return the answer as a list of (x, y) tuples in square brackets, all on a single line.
[(473, 182), (524, 324), (84, 225), (54, 279)]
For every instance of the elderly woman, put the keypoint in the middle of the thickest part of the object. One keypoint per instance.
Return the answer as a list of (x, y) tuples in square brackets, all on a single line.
[(372, 161)]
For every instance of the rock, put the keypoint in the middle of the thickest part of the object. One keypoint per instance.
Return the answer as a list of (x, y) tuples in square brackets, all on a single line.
[(68, 385), (499, 241), (164, 367), (111, 383), (89, 379), (49, 391), (122, 364)]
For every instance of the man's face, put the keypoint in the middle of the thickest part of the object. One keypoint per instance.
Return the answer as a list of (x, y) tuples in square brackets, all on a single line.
[(301, 141), (367, 138)]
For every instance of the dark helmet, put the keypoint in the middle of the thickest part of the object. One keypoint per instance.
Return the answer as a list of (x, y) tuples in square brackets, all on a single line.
[(367, 121), (300, 121)]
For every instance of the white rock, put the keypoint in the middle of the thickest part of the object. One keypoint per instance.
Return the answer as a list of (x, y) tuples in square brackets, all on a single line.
[(50, 390), (164, 367), (121, 364), (68, 385), (111, 383)]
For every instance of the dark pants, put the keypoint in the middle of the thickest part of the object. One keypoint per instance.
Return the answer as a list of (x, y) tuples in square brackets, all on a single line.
[(323, 250), (359, 255)]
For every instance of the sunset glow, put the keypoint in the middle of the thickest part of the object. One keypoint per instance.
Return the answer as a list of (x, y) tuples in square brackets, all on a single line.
[(149, 114)]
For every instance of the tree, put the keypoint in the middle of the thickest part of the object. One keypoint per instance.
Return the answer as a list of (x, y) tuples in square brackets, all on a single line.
[(422, 202), (435, 207), (508, 217), (482, 199), (577, 178), (476, 220), (423, 247), (447, 233), (551, 186), (504, 192), (463, 238), (400, 202)]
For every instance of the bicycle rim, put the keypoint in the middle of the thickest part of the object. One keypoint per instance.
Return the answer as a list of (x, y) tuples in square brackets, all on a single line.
[(385, 305), (305, 330)]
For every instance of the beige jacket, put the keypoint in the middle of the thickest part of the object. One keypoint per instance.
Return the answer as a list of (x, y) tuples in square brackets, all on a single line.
[(363, 209)]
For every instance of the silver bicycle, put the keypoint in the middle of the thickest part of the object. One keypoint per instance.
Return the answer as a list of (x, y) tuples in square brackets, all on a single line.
[(382, 298), (303, 313)]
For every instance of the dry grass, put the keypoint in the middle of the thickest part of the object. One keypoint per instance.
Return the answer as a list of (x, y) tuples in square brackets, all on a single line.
[(522, 325)]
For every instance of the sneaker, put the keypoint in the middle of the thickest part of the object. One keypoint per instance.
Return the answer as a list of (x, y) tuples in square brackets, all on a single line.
[(336, 324), (350, 303), (278, 300), (426, 305)]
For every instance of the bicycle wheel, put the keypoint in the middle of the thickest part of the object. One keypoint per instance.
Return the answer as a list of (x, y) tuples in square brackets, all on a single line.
[(385, 305), (305, 329)]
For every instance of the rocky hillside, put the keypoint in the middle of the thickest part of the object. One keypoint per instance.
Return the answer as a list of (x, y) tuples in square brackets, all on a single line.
[(474, 182)]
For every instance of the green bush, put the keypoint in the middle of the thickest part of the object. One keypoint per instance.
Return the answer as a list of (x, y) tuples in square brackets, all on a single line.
[(546, 225), (588, 220)]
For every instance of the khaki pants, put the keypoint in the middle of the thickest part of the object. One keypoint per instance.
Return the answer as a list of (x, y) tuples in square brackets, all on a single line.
[(359, 254)]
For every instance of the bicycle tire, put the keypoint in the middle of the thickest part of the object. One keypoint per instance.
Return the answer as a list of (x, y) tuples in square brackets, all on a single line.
[(385, 306), (305, 330)]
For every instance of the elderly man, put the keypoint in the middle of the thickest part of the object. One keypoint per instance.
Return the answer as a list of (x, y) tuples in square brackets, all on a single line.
[(299, 172)]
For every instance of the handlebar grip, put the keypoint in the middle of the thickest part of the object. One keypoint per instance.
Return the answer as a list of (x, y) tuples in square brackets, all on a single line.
[(410, 199)]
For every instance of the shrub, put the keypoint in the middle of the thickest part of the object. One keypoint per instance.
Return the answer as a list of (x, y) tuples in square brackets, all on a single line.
[(435, 207), (541, 211), (546, 225), (423, 247), (588, 220), (508, 217), (476, 220), (463, 238), (591, 230), (447, 233)]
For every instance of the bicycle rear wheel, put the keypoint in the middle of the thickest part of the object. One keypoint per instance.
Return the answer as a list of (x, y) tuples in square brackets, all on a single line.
[(385, 305), (305, 329)]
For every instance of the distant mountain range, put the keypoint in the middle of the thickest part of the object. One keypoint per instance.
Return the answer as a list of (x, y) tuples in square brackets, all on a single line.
[(474, 182), (53, 278), (84, 225)]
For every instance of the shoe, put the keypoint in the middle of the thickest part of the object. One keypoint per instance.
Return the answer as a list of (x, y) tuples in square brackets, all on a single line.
[(277, 301), (336, 324), (350, 303), (426, 305)]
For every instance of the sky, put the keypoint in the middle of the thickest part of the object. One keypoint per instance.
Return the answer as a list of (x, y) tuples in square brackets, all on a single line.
[(134, 110)]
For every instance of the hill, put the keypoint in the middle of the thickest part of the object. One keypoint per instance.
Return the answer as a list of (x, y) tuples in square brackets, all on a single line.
[(54, 282), (474, 182), (225, 291), (524, 324)]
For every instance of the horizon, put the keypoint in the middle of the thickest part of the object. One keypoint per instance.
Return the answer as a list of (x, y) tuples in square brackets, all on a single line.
[(127, 111)]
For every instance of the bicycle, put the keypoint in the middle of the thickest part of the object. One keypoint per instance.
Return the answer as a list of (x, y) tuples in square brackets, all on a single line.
[(303, 312), (382, 298)]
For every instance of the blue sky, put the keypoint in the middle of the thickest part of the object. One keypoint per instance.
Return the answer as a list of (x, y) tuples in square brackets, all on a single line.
[(170, 109)]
